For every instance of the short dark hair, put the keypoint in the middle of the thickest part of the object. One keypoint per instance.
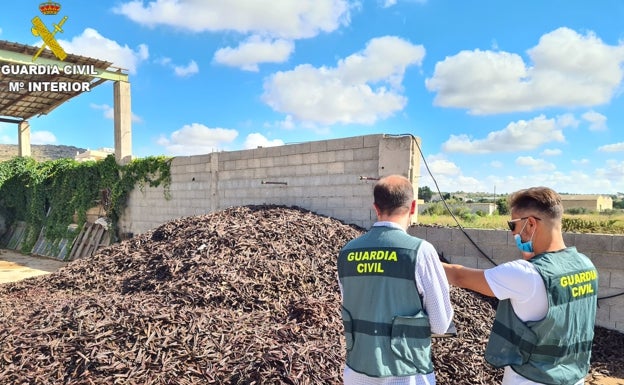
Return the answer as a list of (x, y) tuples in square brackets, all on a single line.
[(392, 193), (541, 199)]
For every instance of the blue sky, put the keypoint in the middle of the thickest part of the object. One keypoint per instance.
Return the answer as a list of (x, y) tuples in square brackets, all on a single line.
[(504, 94)]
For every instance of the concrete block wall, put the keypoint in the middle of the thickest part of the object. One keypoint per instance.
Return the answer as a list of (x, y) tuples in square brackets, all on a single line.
[(322, 176), (605, 251)]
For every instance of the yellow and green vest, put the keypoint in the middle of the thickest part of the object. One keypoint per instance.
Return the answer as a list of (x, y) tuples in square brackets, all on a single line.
[(555, 350), (386, 329)]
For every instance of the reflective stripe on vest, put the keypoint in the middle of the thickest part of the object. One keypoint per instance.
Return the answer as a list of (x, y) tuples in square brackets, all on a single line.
[(386, 331), (555, 350)]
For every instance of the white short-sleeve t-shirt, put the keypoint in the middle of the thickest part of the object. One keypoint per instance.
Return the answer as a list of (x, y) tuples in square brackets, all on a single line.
[(520, 282)]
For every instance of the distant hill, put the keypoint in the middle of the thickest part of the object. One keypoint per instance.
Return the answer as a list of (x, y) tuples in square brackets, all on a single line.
[(41, 153)]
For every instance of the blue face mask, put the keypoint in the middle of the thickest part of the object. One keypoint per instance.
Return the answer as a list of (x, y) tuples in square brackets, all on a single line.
[(525, 247)]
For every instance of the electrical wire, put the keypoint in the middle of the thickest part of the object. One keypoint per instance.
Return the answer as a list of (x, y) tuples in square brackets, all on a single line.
[(611, 296), (444, 200), (453, 216)]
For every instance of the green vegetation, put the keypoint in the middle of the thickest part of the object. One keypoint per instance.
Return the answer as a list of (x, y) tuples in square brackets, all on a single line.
[(51, 194), (578, 220), (609, 223), (425, 193)]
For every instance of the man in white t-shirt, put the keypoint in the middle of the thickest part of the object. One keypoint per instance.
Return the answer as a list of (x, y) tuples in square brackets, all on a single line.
[(543, 330)]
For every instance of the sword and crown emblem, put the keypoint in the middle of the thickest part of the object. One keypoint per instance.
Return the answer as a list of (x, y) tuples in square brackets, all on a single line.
[(39, 29)]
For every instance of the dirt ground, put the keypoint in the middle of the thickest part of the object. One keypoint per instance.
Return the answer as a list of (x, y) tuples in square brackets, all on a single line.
[(15, 266), (606, 381)]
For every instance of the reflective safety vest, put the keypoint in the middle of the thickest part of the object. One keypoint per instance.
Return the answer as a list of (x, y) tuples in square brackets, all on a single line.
[(386, 330), (555, 350)]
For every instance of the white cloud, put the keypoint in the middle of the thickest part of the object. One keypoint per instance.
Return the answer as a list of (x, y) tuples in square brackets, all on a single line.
[(567, 69), (288, 20), (362, 88), (575, 182), (42, 137), (179, 70), (165, 61), (390, 3), (256, 140), (443, 167), (614, 173), (551, 152), (597, 121), (196, 139), (451, 178), (580, 162), (188, 70), (109, 112), (448, 176), (615, 147), (287, 123), (517, 136), (90, 43), (608, 179), (36, 137), (253, 51), (496, 164), (567, 120), (536, 165)]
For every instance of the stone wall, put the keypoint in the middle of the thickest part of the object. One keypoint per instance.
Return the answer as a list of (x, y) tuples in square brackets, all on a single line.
[(605, 251)]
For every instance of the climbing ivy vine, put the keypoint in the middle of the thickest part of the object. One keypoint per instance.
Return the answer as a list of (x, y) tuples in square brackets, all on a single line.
[(55, 194)]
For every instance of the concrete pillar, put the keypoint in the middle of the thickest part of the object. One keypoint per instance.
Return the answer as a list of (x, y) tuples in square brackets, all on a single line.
[(414, 170), (23, 138), (401, 155), (123, 122)]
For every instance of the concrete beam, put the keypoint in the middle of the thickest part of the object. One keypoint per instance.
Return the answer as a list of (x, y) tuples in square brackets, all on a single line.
[(10, 120)]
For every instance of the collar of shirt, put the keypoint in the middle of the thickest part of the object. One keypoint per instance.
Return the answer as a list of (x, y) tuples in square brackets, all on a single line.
[(388, 224)]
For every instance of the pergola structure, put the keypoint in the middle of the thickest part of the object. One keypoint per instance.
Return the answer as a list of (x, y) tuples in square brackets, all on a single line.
[(22, 97)]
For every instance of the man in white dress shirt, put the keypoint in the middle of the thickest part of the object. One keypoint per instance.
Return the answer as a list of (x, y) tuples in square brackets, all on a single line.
[(394, 294)]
